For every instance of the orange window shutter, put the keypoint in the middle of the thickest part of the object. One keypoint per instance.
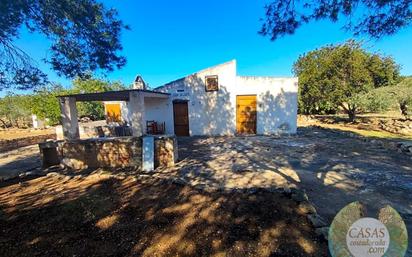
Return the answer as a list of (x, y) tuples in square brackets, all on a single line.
[(113, 113)]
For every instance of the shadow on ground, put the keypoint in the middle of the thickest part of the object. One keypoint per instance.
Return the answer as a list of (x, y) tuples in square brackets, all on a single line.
[(334, 167), (15, 162), (101, 215)]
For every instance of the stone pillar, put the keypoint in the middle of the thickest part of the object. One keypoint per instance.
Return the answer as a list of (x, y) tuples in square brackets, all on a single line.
[(136, 113), (69, 118)]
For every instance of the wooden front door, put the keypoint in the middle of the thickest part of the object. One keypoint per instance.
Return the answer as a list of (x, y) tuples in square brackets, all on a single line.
[(181, 118), (246, 114), (113, 112)]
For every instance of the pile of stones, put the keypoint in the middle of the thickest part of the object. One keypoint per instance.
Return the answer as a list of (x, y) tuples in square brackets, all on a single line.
[(396, 126)]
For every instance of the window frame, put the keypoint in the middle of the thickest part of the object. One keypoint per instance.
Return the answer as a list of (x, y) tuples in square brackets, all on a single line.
[(207, 88)]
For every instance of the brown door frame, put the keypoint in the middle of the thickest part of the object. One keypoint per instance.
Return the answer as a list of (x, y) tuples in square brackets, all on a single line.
[(187, 130), (237, 106)]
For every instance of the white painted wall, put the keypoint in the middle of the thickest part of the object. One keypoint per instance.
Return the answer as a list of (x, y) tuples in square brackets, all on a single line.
[(68, 115), (38, 123), (160, 110), (276, 102), (153, 108), (210, 113), (124, 108), (214, 113), (137, 113)]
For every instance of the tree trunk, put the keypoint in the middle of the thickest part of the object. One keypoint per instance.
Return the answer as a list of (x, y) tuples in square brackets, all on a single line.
[(350, 110), (3, 123), (404, 109), (16, 121), (352, 116), (351, 113)]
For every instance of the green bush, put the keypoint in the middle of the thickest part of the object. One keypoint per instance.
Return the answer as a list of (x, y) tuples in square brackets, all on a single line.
[(397, 97)]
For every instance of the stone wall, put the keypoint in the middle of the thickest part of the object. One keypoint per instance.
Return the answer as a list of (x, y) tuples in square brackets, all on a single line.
[(392, 125), (402, 147), (119, 152), (397, 126), (165, 151), (95, 131), (7, 145)]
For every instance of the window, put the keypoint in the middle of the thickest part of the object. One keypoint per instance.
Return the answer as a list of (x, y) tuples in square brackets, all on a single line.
[(212, 83)]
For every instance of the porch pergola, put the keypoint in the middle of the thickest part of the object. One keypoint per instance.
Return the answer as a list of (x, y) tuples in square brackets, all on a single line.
[(136, 106)]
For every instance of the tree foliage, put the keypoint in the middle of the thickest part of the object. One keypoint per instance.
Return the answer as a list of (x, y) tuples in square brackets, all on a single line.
[(44, 102), (14, 110), (375, 101), (334, 76), (94, 110), (45, 105), (395, 97), (84, 36), (375, 18), (403, 96), (398, 96)]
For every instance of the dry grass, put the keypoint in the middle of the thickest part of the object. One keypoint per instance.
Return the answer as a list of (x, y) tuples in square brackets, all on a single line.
[(362, 132), (14, 133), (100, 215), (339, 122)]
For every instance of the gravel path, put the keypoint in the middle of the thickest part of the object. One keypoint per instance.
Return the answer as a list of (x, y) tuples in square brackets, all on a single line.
[(20, 160)]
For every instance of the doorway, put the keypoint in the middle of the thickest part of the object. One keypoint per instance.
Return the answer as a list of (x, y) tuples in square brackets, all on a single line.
[(246, 114), (181, 118)]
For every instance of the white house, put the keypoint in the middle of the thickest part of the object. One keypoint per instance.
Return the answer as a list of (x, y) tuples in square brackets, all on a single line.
[(214, 101)]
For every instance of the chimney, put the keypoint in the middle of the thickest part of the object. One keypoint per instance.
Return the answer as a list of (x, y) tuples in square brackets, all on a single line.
[(139, 83)]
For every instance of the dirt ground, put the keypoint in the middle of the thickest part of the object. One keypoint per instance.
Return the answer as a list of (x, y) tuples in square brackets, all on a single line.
[(15, 162), (105, 215), (366, 125), (333, 168), (14, 133)]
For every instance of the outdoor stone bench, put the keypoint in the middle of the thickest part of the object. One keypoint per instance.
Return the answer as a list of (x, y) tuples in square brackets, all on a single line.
[(113, 152)]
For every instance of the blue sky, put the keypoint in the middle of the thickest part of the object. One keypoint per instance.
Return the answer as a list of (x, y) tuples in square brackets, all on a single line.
[(170, 39)]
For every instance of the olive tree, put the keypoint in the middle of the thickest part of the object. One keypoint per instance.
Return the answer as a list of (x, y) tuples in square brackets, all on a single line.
[(331, 77)]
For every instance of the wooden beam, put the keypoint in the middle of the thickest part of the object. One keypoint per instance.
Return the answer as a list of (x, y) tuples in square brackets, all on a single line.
[(122, 95)]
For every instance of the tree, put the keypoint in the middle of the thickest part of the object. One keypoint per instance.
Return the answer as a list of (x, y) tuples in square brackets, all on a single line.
[(94, 110), (14, 110), (332, 77), (387, 98), (376, 101), (84, 35), (375, 18), (402, 94), (89, 84), (45, 105)]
